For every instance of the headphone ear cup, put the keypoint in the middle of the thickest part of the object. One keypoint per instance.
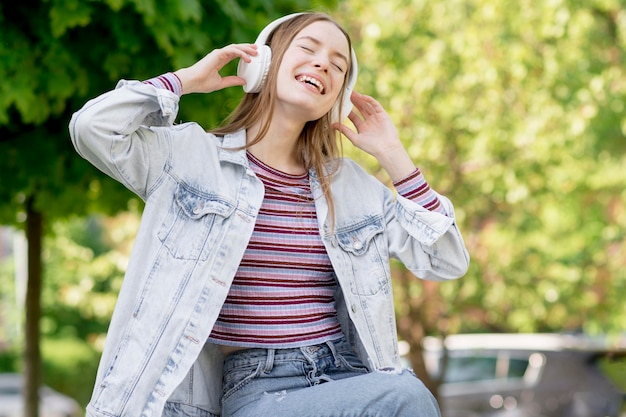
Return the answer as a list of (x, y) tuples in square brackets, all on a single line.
[(346, 108), (255, 71), (346, 103)]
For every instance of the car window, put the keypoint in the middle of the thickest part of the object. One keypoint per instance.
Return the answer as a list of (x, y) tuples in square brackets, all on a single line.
[(484, 368), (9, 391), (471, 368), (517, 368)]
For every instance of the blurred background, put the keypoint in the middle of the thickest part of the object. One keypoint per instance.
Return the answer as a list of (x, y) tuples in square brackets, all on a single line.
[(515, 110)]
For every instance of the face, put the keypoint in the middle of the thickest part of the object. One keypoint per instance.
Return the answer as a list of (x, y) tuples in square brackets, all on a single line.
[(312, 72)]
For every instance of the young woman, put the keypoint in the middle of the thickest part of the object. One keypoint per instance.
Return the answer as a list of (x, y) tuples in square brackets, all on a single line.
[(260, 282)]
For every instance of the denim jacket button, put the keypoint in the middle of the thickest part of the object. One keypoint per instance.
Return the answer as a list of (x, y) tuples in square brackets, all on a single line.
[(334, 242), (353, 308), (357, 245)]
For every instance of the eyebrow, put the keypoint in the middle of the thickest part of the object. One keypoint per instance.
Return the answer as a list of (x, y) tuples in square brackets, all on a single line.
[(317, 42)]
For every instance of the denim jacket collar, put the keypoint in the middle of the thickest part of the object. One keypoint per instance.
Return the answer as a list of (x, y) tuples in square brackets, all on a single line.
[(232, 148)]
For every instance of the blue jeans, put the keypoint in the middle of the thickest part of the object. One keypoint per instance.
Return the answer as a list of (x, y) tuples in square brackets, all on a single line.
[(326, 380)]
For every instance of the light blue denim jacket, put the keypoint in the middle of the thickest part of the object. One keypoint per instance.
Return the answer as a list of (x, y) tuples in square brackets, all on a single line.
[(202, 200)]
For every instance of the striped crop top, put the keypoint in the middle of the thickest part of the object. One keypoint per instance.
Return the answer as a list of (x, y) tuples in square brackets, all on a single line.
[(283, 292)]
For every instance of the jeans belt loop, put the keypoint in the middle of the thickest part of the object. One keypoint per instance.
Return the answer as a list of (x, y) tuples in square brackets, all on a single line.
[(333, 350), (269, 360)]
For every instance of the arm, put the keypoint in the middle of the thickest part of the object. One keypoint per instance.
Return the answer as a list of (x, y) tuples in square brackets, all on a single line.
[(124, 132), (421, 227), (377, 135), (118, 132), (428, 243)]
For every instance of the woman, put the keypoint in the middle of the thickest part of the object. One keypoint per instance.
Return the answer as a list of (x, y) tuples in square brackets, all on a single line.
[(259, 284)]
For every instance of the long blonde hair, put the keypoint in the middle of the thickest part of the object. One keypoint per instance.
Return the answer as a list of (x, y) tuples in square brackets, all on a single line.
[(318, 146)]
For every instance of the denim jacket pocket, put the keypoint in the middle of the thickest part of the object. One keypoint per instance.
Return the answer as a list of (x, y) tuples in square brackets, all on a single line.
[(191, 221), (365, 246)]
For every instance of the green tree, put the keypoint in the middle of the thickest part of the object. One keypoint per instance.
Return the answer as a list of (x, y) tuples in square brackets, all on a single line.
[(56, 54), (85, 262), (515, 110)]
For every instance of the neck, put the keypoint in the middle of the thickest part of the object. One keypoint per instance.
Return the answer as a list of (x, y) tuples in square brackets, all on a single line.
[(278, 148)]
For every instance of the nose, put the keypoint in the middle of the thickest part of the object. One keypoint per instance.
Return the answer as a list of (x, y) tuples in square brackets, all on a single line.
[(322, 63)]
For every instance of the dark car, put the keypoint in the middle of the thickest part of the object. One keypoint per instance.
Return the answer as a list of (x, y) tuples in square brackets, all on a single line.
[(525, 375), (51, 403)]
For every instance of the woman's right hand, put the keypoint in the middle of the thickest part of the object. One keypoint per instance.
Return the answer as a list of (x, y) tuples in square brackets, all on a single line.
[(204, 76)]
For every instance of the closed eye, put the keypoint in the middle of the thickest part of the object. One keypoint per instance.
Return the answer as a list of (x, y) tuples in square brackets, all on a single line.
[(307, 41), (310, 50)]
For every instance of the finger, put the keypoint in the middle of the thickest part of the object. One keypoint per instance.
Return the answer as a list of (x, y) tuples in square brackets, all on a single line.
[(368, 106), (249, 50), (346, 131), (356, 120), (361, 103), (358, 99), (234, 51), (232, 80)]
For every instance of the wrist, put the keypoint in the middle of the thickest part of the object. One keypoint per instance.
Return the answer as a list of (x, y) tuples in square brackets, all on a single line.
[(168, 81), (185, 82), (397, 163)]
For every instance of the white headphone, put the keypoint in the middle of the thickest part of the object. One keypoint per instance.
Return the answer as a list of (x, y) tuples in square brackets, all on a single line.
[(255, 72)]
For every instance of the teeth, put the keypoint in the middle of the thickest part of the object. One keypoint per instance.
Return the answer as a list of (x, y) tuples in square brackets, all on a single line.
[(312, 81)]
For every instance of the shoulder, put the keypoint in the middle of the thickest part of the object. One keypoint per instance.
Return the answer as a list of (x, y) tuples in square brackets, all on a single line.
[(192, 131), (190, 145), (348, 170), (350, 180), (359, 197)]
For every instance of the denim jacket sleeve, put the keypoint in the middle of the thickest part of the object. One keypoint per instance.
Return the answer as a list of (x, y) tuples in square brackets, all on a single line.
[(428, 243), (372, 225), (120, 132)]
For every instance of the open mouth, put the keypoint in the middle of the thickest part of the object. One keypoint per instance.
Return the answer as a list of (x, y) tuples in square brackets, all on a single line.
[(312, 81)]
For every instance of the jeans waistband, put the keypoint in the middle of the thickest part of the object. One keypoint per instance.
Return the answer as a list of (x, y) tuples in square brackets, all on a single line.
[(331, 348)]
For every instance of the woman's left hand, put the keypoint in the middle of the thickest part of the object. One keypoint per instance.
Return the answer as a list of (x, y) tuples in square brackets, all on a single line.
[(377, 135), (375, 132)]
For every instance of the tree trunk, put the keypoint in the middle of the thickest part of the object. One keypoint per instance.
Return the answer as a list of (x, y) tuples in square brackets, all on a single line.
[(32, 355)]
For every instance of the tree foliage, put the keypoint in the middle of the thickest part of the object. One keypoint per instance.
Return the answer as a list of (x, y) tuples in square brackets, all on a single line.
[(56, 54), (515, 110)]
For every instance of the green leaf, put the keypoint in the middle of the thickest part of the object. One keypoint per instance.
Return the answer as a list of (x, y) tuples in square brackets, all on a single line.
[(66, 14)]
